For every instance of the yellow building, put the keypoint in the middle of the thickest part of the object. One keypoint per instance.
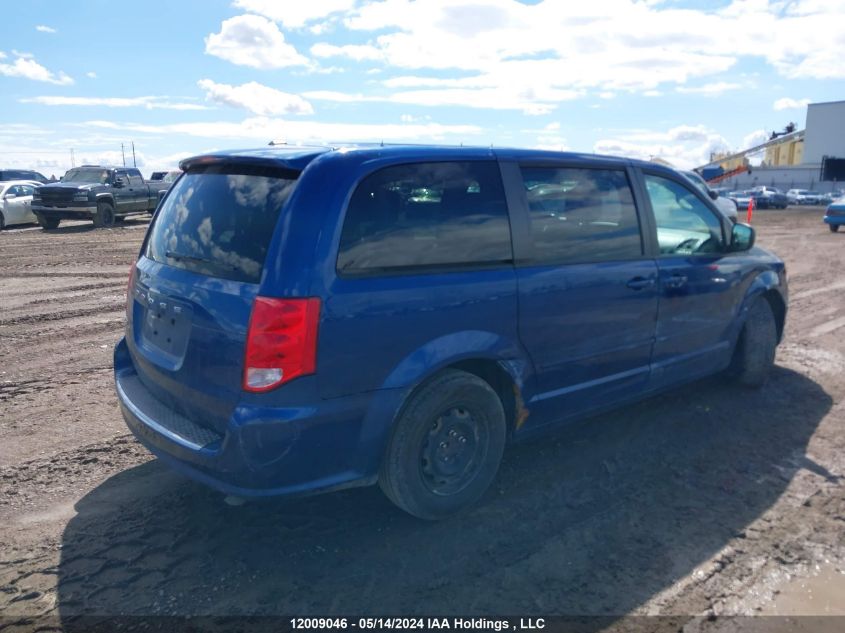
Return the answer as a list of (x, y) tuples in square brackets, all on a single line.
[(731, 163), (785, 154)]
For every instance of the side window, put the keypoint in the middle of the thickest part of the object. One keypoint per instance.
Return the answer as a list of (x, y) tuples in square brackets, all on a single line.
[(26, 190), (14, 190), (685, 225), (121, 173), (135, 179), (426, 214), (581, 215)]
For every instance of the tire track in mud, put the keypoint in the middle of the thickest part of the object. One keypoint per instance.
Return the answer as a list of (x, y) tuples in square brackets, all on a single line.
[(42, 317)]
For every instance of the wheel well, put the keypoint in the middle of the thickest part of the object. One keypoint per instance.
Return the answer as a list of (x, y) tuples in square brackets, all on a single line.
[(778, 309), (493, 374)]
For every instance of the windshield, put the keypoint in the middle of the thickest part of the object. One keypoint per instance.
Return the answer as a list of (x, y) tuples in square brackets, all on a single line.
[(218, 220), (89, 176)]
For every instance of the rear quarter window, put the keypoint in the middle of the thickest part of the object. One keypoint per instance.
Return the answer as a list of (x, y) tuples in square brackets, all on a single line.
[(218, 220), (426, 215)]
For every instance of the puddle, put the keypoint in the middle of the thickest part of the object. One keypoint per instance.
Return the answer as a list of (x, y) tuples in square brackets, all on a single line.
[(821, 594)]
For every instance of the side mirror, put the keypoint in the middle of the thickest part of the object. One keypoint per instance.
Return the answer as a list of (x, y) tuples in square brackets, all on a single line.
[(742, 237), (713, 194), (119, 182), (10, 196)]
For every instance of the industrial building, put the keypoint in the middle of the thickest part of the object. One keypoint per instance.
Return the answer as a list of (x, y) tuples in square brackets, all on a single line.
[(812, 158)]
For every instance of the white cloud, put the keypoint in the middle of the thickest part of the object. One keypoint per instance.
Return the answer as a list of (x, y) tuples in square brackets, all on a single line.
[(516, 96), (264, 129), (355, 52), (711, 89), (684, 146), (610, 46), (255, 41), (26, 67), (754, 138), (294, 14), (787, 103), (91, 74), (149, 102), (339, 97), (41, 28), (255, 97)]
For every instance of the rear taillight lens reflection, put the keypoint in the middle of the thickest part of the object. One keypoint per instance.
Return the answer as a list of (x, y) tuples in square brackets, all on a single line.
[(281, 342), (130, 290)]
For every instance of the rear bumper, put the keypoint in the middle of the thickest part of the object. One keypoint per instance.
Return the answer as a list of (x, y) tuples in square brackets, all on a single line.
[(290, 451), (835, 219)]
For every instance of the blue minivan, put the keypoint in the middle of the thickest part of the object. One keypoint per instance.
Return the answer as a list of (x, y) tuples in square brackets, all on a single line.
[(301, 320)]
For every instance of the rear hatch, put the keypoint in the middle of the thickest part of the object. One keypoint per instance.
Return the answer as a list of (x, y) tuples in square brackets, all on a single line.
[(194, 284)]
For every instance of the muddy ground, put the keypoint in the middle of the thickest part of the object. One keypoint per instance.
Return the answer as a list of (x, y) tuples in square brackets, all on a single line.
[(707, 500)]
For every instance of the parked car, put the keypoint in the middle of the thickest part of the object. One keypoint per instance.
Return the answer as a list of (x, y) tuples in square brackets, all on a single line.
[(102, 194), (284, 337), (7, 175), (723, 204), (769, 198), (831, 196), (834, 216), (804, 196), (742, 198), (165, 176), (16, 198)]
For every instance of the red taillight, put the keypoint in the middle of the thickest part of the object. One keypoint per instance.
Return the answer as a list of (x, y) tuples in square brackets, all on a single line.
[(281, 342)]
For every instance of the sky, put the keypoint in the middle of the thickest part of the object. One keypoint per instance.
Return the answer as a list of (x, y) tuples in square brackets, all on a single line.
[(649, 78)]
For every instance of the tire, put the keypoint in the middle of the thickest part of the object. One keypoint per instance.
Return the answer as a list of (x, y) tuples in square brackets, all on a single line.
[(754, 354), (48, 223), (833, 227), (104, 217), (3, 222), (445, 447), (119, 218)]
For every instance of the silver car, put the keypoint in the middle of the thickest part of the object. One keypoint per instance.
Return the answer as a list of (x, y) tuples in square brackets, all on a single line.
[(727, 206)]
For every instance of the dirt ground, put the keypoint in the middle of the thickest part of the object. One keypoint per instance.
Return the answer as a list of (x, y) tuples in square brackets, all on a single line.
[(709, 500)]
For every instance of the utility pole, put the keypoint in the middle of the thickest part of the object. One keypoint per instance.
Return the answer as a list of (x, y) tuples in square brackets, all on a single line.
[(124, 154), (134, 162), (72, 162)]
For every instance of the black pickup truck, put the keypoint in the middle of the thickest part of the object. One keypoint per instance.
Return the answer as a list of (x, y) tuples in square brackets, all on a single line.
[(102, 194)]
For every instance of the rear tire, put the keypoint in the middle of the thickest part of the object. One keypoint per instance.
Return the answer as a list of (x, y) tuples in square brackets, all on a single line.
[(104, 217), (754, 354), (2, 222), (833, 227), (445, 447), (48, 223)]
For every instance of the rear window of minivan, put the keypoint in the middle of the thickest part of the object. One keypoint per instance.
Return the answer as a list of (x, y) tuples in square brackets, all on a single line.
[(423, 215), (218, 220)]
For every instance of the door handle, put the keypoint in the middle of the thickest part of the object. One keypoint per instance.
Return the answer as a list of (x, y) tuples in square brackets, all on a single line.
[(675, 281), (638, 283)]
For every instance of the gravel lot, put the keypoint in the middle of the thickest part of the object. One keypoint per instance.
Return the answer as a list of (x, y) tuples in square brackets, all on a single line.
[(707, 500)]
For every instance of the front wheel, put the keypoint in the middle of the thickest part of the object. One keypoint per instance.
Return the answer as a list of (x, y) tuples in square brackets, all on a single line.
[(446, 446), (754, 354), (48, 223), (833, 227), (105, 215)]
